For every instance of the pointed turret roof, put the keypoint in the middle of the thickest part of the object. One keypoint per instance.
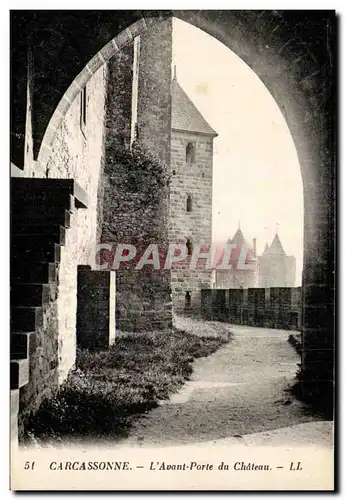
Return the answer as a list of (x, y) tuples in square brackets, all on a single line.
[(238, 238), (184, 114), (239, 241), (266, 249), (276, 246)]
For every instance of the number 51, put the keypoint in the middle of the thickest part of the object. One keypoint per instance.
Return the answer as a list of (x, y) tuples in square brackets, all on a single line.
[(29, 465)]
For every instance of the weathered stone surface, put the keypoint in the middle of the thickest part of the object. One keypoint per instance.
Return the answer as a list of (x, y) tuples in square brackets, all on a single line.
[(143, 300), (135, 208), (95, 308), (43, 364), (192, 179), (270, 307), (76, 154), (154, 98)]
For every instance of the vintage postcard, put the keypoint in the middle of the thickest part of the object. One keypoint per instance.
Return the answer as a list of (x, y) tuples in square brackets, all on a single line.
[(172, 249)]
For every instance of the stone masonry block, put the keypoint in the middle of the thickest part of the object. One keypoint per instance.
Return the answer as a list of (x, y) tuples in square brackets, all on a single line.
[(95, 308)]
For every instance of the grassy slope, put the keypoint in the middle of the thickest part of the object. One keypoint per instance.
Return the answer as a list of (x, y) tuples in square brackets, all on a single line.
[(109, 388)]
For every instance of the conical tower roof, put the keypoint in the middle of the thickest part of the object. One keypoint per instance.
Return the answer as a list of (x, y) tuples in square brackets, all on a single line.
[(276, 247), (266, 249), (239, 241), (238, 238), (184, 114)]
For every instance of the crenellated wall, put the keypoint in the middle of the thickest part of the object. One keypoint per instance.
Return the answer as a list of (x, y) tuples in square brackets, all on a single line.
[(262, 307)]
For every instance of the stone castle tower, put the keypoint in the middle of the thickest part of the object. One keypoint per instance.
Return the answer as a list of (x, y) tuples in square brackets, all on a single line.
[(271, 269), (190, 207), (275, 267), (146, 103), (236, 277)]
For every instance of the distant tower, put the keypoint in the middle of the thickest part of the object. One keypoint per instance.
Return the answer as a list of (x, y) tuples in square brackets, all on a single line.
[(275, 267), (190, 215), (237, 277)]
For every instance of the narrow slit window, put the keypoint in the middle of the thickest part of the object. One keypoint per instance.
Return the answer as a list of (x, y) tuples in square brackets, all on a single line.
[(189, 246), (188, 300), (190, 152), (83, 107), (189, 207)]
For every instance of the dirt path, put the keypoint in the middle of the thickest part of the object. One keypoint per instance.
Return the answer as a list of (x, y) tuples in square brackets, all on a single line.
[(237, 392)]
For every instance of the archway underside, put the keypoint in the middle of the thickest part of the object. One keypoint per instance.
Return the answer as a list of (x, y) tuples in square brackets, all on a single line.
[(293, 59)]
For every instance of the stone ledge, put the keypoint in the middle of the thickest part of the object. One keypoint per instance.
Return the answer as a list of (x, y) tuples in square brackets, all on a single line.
[(19, 373), (21, 345), (40, 250), (26, 319), (14, 402), (48, 187), (61, 218), (40, 273)]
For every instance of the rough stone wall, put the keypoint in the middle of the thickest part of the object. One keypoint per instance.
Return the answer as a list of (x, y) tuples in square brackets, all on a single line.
[(132, 216), (236, 279), (262, 307), (296, 306), (95, 312), (185, 280), (194, 179), (143, 298), (76, 154), (43, 362), (154, 98), (119, 97)]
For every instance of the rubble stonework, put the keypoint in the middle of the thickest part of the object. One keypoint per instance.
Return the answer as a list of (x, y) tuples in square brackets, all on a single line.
[(136, 190)]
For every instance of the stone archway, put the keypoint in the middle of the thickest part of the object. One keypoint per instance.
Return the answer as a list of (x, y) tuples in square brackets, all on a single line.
[(115, 45), (298, 69)]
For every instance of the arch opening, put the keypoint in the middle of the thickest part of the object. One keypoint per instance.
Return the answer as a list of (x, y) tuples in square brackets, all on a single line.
[(297, 103)]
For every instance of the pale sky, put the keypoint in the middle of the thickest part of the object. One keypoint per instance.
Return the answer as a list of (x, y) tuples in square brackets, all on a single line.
[(256, 173)]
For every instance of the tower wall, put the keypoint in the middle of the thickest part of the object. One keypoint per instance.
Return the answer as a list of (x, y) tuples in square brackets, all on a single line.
[(290, 271), (277, 270), (134, 211), (154, 97), (195, 180)]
